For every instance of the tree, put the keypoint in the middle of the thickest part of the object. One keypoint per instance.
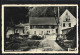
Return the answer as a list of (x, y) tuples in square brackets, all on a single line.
[(13, 16), (72, 35)]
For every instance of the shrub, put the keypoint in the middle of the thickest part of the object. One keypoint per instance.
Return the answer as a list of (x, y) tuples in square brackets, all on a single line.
[(35, 37)]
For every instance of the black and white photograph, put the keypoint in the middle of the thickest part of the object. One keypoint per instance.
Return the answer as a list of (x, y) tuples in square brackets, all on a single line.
[(40, 28)]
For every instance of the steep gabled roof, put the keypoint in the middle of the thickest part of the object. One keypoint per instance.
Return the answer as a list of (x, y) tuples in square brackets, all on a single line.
[(42, 21), (22, 25), (64, 14), (68, 16), (71, 17)]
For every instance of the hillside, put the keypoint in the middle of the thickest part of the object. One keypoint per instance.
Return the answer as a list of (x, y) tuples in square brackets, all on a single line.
[(50, 11)]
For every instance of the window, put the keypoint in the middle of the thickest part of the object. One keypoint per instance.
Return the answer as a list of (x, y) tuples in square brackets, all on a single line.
[(67, 19), (23, 30), (69, 24), (36, 26), (63, 24), (56, 30), (31, 27), (52, 27), (26, 28), (46, 26), (34, 32), (49, 31), (42, 32), (16, 30), (49, 26)]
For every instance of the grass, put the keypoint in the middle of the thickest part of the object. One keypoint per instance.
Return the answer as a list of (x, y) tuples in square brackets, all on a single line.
[(64, 45), (24, 45)]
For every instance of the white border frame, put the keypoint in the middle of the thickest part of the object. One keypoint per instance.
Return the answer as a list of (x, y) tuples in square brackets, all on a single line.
[(35, 5)]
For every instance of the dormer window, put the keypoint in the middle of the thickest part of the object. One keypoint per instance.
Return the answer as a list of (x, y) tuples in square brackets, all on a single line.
[(67, 18)]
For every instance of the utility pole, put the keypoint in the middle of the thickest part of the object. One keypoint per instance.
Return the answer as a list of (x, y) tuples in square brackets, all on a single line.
[(58, 24), (58, 19), (59, 28)]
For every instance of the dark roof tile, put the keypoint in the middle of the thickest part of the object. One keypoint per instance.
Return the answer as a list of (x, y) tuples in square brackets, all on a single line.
[(42, 21)]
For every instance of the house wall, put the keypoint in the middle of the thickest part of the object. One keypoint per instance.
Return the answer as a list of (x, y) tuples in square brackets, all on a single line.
[(26, 30), (10, 31), (63, 18), (65, 31), (20, 31), (67, 25), (42, 31)]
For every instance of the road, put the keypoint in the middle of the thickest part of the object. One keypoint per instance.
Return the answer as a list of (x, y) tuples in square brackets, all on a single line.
[(49, 43)]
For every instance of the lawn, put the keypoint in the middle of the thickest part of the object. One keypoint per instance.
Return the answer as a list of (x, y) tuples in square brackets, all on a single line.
[(65, 44), (23, 44)]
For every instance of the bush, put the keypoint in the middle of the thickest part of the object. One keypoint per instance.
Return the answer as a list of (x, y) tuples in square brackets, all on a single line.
[(15, 46), (35, 37), (33, 43)]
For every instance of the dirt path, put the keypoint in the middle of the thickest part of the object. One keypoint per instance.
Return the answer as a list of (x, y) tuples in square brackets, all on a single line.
[(50, 42)]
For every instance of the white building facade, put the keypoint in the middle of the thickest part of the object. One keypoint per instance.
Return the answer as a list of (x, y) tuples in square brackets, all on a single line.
[(22, 29), (42, 25), (67, 20)]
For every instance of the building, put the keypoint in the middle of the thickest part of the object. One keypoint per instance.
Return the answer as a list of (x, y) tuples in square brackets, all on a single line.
[(67, 21), (10, 31), (42, 25), (22, 29)]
